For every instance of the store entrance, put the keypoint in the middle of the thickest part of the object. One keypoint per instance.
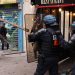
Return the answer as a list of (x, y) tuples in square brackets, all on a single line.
[(12, 32), (64, 19), (67, 18)]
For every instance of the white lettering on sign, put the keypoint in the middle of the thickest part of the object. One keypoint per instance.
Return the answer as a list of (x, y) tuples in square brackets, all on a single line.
[(51, 1)]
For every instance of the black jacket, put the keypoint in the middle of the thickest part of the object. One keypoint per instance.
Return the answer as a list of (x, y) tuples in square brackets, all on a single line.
[(45, 42), (3, 31), (72, 46)]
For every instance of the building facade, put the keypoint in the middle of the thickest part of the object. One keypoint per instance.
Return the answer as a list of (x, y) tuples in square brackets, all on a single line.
[(62, 9), (12, 11)]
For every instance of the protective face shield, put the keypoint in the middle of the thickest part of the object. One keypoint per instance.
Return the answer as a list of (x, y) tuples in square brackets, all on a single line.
[(50, 20)]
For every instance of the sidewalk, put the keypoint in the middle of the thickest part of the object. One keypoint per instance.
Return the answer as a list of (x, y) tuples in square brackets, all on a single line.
[(16, 64)]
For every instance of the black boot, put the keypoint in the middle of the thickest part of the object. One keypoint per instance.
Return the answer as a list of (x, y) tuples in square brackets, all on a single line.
[(2, 46), (7, 46)]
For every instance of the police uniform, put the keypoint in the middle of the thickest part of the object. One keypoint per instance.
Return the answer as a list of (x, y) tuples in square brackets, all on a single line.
[(72, 40), (72, 50), (47, 57)]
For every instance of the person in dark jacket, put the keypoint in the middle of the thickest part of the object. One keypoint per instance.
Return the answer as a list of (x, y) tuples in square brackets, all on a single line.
[(72, 49), (47, 54), (3, 32), (72, 40)]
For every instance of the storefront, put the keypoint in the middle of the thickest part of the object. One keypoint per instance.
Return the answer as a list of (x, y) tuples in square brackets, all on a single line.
[(9, 10), (62, 9)]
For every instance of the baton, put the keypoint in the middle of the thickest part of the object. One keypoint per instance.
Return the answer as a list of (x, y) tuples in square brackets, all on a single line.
[(15, 25)]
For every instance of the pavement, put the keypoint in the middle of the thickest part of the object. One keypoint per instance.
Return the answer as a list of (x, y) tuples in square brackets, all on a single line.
[(16, 64)]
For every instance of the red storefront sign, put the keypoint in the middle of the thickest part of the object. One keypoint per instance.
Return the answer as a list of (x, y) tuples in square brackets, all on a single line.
[(55, 6)]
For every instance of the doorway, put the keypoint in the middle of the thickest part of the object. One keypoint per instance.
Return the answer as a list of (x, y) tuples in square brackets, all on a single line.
[(66, 21), (12, 32)]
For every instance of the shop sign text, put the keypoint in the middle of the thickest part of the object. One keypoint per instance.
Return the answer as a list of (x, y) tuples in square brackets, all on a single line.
[(51, 1)]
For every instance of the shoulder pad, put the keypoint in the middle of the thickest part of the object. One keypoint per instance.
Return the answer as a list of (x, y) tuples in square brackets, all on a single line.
[(58, 32), (41, 30)]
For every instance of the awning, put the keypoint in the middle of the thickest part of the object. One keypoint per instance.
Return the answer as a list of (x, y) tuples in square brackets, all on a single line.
[(55, 6)]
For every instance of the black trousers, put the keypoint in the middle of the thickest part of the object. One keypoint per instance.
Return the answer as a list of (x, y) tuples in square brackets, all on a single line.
[(4, 43), (44, 64)]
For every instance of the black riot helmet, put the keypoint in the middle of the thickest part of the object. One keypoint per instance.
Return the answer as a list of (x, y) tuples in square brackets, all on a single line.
[(50, 21)]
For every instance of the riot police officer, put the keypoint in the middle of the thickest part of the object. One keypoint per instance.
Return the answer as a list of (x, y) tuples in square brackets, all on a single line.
[(47, 57), (72, 40), (72, 47)]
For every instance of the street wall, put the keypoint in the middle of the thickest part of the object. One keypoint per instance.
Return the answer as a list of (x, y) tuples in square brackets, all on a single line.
[(27, 9)]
